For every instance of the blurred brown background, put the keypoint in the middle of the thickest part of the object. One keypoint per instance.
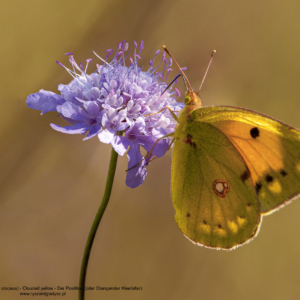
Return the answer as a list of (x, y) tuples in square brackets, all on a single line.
[(52, 183)]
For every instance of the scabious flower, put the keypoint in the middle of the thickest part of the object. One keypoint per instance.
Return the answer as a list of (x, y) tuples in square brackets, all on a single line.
[(119, 104)]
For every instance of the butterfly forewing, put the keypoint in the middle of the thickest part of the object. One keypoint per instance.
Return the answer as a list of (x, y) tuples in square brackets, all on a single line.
[(270, 149)]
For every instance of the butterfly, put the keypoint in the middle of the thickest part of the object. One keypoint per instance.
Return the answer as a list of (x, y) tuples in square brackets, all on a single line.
[(230, 167)]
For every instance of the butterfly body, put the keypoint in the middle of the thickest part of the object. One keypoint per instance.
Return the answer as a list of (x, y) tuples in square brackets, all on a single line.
[(230, 166)]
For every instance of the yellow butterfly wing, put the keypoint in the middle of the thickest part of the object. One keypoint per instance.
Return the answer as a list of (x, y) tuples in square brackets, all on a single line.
[(271, 150), (214, 207), (225, 158)]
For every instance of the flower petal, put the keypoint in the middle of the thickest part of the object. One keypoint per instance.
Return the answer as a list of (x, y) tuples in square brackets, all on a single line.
[(111, 113), (136, 176), (130, 104), (106, 136), (122, 126), (74, 112), (160, 148), (138, 127), (78, 128), (92, 108), (45, 101), (94, 130), (120, 144)]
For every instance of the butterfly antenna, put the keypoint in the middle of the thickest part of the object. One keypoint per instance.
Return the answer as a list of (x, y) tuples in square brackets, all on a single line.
[(211, 58), (184, 77)]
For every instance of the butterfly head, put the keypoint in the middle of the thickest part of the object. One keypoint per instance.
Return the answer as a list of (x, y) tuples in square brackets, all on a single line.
[(192, 100)]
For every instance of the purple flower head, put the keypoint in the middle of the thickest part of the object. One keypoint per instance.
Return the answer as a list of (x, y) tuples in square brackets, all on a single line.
[(118, 103)]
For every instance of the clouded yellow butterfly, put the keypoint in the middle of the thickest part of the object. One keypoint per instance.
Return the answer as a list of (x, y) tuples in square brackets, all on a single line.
[(230, 167)]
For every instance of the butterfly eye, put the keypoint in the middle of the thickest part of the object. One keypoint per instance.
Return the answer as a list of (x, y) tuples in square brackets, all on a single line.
[(187, 99), (221, 187)]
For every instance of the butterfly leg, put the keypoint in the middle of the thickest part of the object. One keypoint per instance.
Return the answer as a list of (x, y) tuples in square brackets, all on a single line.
[(171, 111), (173, 140), (151, 150)]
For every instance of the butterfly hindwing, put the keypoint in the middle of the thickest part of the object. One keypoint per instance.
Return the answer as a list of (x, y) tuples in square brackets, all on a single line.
[(271, 150), (213, 194)]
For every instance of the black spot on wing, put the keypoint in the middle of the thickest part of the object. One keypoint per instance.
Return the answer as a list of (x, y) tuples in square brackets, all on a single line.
[(258, 186), (188, 140), (254, 132), (283, 173), (219, 225), (204, 222), (188, 215), (245, 175), (269, 178)]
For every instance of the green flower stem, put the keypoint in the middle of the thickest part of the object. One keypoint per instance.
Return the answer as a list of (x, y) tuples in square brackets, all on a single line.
[(98, 217)]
